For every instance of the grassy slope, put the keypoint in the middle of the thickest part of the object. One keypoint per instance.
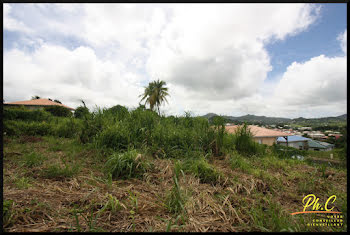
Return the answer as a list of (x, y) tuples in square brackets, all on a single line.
[(253, 195)]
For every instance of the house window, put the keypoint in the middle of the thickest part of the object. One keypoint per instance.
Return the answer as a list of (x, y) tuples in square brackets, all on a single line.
[(259, 141), (300, 147)]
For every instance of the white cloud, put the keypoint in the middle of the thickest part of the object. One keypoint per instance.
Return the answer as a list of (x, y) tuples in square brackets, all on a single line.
[(212, 56), (315, 86), (68, 75)]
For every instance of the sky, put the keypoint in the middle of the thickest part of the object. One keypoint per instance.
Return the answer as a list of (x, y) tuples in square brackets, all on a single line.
[(277, 60)]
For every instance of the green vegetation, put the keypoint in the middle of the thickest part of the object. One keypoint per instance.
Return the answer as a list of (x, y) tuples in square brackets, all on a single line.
[(58, 111), (118, 170), (127, 165)]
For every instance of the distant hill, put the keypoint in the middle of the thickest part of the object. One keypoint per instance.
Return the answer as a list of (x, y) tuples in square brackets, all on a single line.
[(279, 120)]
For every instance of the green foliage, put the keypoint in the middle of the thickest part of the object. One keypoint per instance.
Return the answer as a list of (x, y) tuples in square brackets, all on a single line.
[(271, 218), (81, 112), (66, 127), (58, 111), (18, 128), (112, 204), (244, 143), (286, 152), (202, 169), (239, 162), (24, 114), (155, 94), (126, 165), (33, 159), (7, 212), (175, 200), (119, 111)]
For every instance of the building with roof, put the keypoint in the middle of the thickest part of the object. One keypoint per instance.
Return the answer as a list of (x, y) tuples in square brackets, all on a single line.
[(320, 146), (294, 141), (260, 135), (36, 104), (303, 143)]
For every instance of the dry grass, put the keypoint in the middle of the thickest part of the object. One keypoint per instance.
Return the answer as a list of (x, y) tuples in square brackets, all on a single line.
[(74, 204)]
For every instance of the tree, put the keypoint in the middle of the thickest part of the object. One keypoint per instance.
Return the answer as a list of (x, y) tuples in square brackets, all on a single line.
[(36, 97), (155, 94)]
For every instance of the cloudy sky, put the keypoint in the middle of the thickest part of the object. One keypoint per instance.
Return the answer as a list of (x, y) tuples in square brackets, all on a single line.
[(282, 60)]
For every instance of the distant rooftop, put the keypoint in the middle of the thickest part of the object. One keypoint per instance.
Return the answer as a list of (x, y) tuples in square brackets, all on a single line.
[(293, 138), (38, 102), (258, 131)]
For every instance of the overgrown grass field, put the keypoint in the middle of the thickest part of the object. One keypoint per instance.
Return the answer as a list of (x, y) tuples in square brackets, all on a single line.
[(119, 170)]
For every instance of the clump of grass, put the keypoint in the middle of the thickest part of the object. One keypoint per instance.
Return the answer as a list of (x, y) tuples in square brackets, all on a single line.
[(202, 169), (7, 212), (23, 183), (175, 200), (112, 204), (55, 171), (271, 218), (244, 142), (33, 159), (239, 162), (126, 165)]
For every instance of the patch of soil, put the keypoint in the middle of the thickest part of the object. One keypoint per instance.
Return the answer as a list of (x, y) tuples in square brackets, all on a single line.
[(29, 139)]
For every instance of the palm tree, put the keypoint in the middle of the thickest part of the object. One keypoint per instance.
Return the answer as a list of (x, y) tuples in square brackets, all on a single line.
[(155, 94)]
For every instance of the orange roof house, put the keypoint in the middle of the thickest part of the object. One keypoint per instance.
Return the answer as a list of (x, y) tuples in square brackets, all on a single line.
[(260, 134), (37, 103)]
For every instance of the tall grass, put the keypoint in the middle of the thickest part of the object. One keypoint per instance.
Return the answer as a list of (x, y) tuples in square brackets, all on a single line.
[(126, 165), (244, 143)]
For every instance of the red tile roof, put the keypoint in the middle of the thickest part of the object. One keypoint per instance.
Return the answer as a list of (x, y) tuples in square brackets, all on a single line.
[(40, 102), (258, 131)]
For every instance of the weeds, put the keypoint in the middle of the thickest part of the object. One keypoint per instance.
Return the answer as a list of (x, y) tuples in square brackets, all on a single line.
[(33, 159), (126, 165), (57, 172), (7, 213), (176, 198), (201, 169)]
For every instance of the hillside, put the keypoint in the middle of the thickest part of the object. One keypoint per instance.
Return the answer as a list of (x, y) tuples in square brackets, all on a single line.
[(280, 120)]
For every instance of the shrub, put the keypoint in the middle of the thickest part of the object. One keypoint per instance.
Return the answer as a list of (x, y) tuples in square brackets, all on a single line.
[(115, 137), (24, 114), (67, 127), (81, 112), (119, 111), (58, 111), (126, 165)]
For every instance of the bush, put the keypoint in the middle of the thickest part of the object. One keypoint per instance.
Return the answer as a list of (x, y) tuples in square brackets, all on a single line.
[(126, 165), (18, 128), (24, 114), (119, 111), (115, 137), (81, 112), (58, 111), (67, 127)]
